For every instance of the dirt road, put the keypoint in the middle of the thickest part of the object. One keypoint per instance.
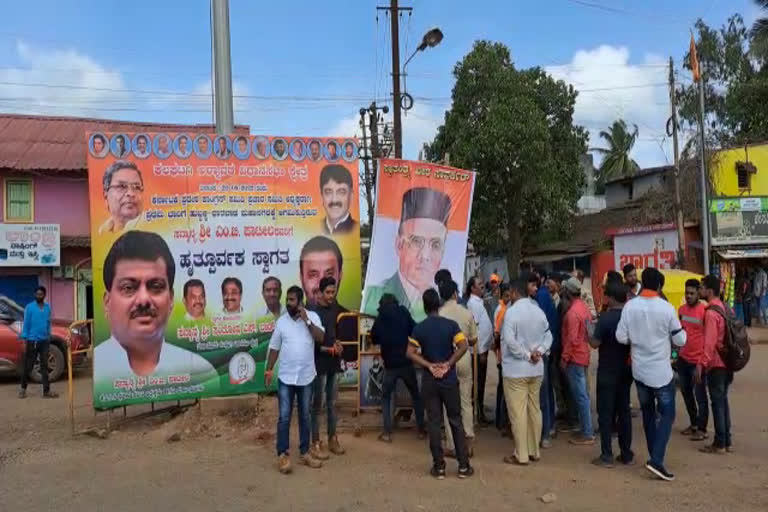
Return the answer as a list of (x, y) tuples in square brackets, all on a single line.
[(136, 468)]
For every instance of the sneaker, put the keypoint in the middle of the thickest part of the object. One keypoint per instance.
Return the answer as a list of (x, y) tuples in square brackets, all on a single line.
[(699, 435), (334, 446), (546, 444), (310, 461), (626, 461), (729, 449), (582, 440), (318, 452), (22, 393), (603, 463), (660, 471), (284, 464), (51, 394), (689, 431), (466, 472), (438, 472), (385, 438)]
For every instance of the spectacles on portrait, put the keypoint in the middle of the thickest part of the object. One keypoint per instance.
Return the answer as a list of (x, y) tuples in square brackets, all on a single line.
[(417, 243), (122, 188)]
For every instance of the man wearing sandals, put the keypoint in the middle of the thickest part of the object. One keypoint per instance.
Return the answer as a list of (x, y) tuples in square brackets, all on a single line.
[(525, 338)]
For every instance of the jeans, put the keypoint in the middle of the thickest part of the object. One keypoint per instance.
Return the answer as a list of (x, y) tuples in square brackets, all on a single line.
[(613, 412), (719, 379), (658, 406), (408, 375), (285, 397), (325, 384), (577, 383), (33, 349), (565, 406), (747, 306), (547, 401), (437, 395), (502, 417), (762, 309), (694, 395)]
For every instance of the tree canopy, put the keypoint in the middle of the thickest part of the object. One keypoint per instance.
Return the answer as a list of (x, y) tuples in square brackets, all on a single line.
[(515, 128), (616, 160)]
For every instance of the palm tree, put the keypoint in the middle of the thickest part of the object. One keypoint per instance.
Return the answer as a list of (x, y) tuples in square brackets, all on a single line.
[(616, 160), (759, 31)]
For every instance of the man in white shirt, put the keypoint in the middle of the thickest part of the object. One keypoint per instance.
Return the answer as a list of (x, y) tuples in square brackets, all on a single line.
[(138, 274), (525, 338), (647, 324), (476, 305), (294, 338)]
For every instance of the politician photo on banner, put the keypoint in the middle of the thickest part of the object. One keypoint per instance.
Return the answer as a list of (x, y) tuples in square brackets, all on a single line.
[(421, 225)]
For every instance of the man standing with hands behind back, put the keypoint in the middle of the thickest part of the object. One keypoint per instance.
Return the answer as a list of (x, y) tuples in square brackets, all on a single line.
[(294, 338), (437, 344)]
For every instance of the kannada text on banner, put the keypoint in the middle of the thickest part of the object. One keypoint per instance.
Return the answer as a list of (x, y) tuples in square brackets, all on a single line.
[(421, 225), (195, 239)]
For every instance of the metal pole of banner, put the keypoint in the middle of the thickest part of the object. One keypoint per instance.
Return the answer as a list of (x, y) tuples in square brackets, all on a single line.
[(475, 416), (703, 169), (222, 64), (71, 390)]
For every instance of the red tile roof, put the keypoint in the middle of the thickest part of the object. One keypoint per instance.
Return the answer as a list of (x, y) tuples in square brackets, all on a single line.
[(57, 144)]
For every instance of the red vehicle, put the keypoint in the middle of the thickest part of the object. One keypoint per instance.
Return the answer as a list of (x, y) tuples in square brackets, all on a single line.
[(12, 348)]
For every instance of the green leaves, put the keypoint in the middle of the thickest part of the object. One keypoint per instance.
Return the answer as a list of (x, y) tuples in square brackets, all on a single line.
[(515, 128), (616, 160)]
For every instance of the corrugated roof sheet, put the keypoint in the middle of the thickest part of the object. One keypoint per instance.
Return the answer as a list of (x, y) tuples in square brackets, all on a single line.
[(58, 144)]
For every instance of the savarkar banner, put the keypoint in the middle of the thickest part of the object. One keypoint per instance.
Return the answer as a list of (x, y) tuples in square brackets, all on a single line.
[(195, 240), (421, 225)]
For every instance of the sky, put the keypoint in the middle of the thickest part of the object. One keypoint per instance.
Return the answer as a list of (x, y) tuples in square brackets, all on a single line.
[(305, 68)]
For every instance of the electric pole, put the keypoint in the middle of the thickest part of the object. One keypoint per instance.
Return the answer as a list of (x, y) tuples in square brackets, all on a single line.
[(703, 169), (367, 182), (394, 15), (678, 204), (222, 64)]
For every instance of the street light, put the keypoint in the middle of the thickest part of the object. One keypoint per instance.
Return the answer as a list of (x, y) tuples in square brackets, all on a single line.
[(404, 100)]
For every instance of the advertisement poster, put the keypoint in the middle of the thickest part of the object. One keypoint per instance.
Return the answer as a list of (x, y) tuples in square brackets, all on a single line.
[(30, 245), (421, 225), (195, 240), (656, 249)]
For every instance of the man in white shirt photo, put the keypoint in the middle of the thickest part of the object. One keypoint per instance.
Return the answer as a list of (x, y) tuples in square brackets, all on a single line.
[(296, 333), (647, 324), (476, 305), (138, 276), (525, 339)]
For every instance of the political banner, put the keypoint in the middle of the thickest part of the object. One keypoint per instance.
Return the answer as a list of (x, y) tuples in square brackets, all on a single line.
[(195, 240), (421, 225)]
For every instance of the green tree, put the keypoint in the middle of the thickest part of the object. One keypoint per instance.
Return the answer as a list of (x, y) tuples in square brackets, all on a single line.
[(515, 128), (616, 160), (735, 86), (759, 31)]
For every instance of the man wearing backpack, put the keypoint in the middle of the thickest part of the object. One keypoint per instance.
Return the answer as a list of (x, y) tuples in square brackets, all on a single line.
[(718, 376)]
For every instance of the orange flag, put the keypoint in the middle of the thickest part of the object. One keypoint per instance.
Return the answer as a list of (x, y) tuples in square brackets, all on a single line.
[(694, 61)]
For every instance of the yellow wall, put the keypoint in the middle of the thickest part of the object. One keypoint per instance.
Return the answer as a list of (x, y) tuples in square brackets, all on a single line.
[(723, 171)]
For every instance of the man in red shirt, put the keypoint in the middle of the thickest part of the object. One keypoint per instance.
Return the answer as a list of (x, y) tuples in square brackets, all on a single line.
[(718, 377), (695, 395), (575, 359)]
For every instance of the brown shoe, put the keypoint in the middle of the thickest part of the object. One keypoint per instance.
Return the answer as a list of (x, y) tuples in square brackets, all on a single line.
[(317, 450), (308, 460), (512, 459), (711, 448), (284, 464), (334, 446), (582, 440)]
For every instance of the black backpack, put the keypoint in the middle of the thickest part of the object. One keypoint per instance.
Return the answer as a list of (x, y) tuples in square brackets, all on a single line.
[(735, 350)]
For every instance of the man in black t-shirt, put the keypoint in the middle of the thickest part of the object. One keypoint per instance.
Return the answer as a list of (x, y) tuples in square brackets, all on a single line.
[(390, 331), (437, 344), (614, 378), (328, 366)]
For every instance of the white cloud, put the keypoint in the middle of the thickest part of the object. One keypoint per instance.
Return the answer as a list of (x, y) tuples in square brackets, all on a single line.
[(68, 83), (608, 85)]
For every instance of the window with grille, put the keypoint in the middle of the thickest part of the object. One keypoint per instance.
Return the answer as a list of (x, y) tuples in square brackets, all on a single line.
[(18, 201), (744, 172)]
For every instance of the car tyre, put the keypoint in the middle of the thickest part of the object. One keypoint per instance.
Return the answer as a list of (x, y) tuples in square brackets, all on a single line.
[(56, 365)]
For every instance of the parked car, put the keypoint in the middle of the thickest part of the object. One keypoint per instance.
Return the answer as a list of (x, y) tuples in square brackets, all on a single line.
[(12, 348)]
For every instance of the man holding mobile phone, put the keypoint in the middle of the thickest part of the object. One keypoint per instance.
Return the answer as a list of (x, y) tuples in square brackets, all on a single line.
[(296, 333)]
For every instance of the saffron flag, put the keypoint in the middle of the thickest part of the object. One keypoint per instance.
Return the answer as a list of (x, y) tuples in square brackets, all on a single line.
[(694, 61)]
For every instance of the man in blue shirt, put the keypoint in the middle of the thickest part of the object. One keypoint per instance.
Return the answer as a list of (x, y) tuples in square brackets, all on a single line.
[(436, 345), (36, 334)]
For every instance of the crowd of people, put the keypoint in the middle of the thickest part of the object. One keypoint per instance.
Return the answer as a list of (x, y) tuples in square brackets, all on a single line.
[(542, 329)]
